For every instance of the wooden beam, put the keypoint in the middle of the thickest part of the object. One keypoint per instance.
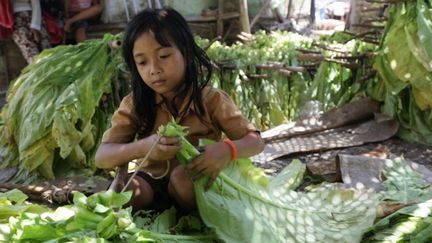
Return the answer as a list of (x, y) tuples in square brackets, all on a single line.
[(229, 15), (219, 21)]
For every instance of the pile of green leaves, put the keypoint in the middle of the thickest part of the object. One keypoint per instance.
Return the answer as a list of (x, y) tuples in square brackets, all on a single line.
[(404, 185), (243, 205), (13, 203), (54, 118), (412, 223), (97, 218), (404, 65), (409, 224)]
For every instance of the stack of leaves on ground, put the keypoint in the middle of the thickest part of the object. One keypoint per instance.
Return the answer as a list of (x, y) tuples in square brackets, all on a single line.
[(54, 118), (412, 223), (97, 218)]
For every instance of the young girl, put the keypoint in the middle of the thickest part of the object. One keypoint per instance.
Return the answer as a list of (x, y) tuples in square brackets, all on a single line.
[(166, 64)]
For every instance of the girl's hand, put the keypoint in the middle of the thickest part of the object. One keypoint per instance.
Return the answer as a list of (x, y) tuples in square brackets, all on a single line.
[(210, 163), (165, 148)]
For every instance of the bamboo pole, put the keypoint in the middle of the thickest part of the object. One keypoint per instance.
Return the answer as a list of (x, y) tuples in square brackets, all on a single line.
[(244, 16)]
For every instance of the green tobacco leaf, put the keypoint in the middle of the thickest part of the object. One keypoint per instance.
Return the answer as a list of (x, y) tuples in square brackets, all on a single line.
[(402, 60), (387, 75), (38, 232), (403, 184), (416, 47), (164, 221), (241, 210), (13, 203), (188, 151), (415, 123), (424, 23), (51, 104), (7, 211), (79, 199), (409, 224), (289, 178), (120, 199), (15, 195), (190, 223)]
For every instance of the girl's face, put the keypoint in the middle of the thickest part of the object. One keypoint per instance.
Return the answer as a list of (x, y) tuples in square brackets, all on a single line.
[(161, 68)]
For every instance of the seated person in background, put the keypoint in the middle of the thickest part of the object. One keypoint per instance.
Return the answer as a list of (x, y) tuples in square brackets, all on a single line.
[(53, 15), (77, 13), (28, 31)]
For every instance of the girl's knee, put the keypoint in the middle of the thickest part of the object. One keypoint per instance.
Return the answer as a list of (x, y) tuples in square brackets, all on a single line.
[(142, 194), (179, 180), (181, 188)]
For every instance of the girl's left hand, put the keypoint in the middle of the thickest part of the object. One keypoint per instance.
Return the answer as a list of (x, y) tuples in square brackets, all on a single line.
[(210, 163)]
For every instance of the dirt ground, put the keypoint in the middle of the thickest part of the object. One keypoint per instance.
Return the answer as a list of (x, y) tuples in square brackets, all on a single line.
[(419, 153)]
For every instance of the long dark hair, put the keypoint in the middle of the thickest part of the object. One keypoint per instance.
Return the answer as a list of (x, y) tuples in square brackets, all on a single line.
[(166, 24)]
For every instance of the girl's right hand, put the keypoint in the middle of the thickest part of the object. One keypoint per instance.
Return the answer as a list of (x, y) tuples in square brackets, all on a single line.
[(165, 149)]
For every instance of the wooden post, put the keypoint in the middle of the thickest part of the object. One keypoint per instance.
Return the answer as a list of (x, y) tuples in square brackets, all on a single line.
[(312, 12), (244, 16), (289, 9), (219, 21)]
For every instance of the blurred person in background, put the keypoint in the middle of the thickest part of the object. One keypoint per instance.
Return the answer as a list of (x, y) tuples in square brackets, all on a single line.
[(78, 13), (29, 32), (53, 16)]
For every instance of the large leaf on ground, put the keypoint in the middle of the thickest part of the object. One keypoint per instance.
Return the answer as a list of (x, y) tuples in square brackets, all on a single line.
[(403, 184), (242, 210), (409, 224)]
